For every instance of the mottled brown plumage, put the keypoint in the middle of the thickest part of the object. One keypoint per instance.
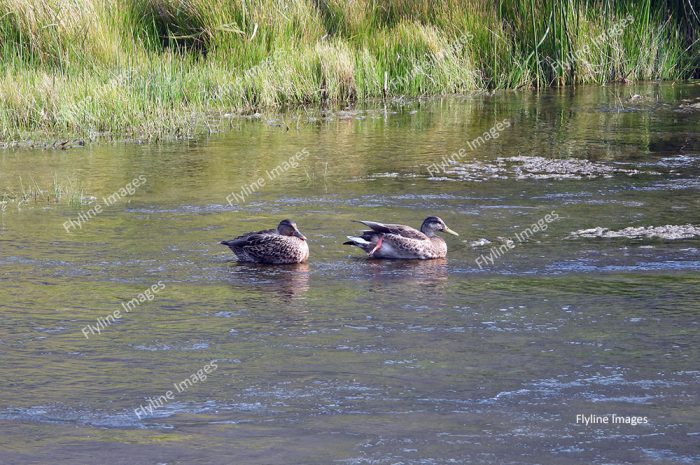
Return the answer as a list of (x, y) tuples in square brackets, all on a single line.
[(397, 241), (274, 246)]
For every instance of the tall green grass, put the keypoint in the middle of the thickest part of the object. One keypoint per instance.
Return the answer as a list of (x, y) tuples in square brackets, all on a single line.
[(158, 67)]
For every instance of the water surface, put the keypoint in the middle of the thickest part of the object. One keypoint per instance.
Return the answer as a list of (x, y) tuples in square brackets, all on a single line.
[(345, 360)]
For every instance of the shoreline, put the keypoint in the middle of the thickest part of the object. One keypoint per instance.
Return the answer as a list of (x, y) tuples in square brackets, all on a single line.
[(218, 121)]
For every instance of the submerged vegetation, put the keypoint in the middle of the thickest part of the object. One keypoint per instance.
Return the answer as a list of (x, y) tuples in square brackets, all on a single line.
[(156, 67), (31, 193)]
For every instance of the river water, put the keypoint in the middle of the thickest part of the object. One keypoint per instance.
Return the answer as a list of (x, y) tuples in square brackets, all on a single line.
[(485, 357)]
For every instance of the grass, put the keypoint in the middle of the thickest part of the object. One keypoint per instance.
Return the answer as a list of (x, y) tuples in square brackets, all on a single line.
[(154, 68), (29, 192)]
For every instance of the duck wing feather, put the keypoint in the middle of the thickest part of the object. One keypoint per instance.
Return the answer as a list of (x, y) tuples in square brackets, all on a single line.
[(397, 229), (244, 239)]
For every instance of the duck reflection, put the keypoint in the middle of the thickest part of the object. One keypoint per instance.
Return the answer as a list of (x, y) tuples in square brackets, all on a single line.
[(425, 275), (288, 281)]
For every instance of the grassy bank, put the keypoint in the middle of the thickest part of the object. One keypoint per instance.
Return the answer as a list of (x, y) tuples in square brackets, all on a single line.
[(163, 67)]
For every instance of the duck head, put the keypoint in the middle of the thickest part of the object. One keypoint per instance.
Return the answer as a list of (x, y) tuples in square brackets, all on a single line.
[(289, 228), (432, 224)]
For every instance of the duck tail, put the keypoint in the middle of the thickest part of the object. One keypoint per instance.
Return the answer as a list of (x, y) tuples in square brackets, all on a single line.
[(357, 242), (374, 225)]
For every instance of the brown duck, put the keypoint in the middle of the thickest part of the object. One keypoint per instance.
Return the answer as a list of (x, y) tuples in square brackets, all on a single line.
[(397, 241), (283, 245)]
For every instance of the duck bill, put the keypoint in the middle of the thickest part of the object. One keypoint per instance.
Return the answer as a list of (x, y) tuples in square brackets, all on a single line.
[(449, 231), (298, 234)]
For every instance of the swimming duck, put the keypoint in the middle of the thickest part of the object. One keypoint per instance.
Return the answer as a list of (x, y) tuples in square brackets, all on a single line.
[(399, 241), (286, 244)]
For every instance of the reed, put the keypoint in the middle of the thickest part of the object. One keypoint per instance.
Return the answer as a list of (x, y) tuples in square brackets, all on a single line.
[(153, 68), (29, 192)]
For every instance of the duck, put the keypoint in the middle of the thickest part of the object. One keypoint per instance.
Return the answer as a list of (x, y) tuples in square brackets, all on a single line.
[(398, 241), (283, 245)]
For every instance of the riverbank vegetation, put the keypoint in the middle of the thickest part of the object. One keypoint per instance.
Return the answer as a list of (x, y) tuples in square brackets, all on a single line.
[(29, 192), (149, 68)]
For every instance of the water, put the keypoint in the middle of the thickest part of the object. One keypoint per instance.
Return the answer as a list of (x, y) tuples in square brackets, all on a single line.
[(344, 360)]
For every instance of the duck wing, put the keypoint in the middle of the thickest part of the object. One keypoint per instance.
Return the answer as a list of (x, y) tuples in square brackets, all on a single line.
[(263, 246), (243, 239), (397, 229)]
